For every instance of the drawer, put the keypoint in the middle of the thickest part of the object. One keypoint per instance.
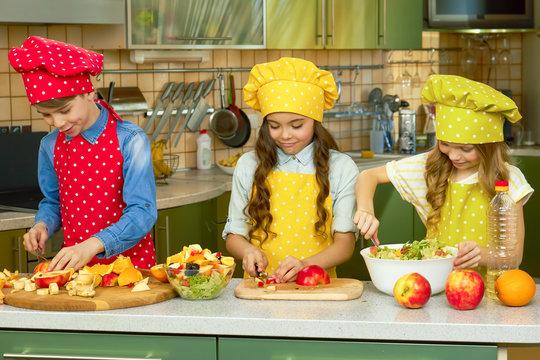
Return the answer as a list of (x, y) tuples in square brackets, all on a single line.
[(76, 345)]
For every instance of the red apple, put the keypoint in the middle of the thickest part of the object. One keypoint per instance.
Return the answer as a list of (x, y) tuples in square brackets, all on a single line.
[(464, 289), (43, 280), (42, 267), (412, 290), (109, 280), (312, 275)]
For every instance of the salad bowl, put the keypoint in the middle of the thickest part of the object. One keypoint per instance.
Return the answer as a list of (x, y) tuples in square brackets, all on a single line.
[(207, 282), (385, 272)]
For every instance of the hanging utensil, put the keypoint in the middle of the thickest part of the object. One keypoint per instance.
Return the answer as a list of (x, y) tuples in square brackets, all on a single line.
[(241, 136), (223, 122), (110, 94), (201, 108), (190, 110), (168, 111), (159, 104), (179, 110)]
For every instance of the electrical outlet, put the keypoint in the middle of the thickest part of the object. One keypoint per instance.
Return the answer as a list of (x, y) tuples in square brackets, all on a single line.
[(15, 129), (253, 120), (27, 128), (4, 130)]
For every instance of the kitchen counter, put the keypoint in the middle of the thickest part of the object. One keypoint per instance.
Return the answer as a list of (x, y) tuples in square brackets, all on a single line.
[(374, 316)]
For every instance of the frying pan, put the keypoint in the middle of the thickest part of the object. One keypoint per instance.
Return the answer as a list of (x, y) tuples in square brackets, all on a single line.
[(223, 122), (241, 136)]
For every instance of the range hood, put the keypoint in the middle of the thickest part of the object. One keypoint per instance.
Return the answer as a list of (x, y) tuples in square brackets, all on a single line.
[(62, 11)]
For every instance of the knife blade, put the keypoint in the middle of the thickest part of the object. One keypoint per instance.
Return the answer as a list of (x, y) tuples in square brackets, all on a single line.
[(191, 108), (180, 109), (167, 111), (159, 104), (200, 108)]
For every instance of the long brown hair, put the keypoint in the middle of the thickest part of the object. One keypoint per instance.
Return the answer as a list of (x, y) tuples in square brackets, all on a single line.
[(258, 208), (492, 167)]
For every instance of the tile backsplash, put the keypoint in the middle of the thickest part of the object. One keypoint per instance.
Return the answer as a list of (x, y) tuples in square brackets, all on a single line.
[(493, 59)]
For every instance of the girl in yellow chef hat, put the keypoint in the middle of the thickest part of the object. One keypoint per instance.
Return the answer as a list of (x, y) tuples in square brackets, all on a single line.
[(292, 198), (452, 184)]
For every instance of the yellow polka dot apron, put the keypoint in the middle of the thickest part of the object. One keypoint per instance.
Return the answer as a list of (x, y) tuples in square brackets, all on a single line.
[(463, 216), (293, 205)]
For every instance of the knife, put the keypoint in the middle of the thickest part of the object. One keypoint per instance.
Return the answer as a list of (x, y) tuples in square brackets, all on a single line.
[(200, 108), (191, 108), (167, 111), (180, 109), (163, 97)]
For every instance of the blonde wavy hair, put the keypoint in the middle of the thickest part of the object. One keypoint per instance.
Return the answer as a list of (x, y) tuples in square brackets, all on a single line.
[(492, 167), (258, 207)]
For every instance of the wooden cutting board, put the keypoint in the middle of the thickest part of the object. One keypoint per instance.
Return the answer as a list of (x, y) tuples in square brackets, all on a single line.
[(106, 298), (338, 289)]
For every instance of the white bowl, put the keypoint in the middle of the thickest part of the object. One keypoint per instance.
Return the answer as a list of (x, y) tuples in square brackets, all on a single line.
[(384, 272), (226, 169)]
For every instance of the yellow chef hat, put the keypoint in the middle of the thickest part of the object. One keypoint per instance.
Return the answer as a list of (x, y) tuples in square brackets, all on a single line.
[(468, 112), (290, 85)]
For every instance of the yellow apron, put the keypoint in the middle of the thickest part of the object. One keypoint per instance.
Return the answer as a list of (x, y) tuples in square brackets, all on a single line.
[(463, 216), (293, 206)]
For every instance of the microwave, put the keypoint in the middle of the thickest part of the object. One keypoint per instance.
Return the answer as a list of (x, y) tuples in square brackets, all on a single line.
[(479, 14)]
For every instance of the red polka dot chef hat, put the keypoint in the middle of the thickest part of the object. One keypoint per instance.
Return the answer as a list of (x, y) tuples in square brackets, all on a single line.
[(52, 69)]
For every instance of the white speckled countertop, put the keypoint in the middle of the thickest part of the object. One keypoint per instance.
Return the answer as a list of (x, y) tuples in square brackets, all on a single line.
[(374, 316)]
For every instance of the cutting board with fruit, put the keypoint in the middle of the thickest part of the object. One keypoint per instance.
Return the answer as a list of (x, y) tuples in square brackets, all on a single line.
[(337, 289), (105, 298)]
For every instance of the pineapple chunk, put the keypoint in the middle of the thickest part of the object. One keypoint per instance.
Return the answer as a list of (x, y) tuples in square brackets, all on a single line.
[(43, 291), (53, 289), (29, 285)]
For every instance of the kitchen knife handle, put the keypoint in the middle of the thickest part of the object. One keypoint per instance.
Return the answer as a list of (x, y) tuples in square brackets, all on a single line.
[(189, 90), (69, 357), (197, 93), (209, 88), (177, 92), (167, 91)]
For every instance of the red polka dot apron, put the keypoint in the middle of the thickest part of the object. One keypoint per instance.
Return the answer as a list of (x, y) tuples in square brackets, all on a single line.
[(90, 189), (463, 216), (293, 205)]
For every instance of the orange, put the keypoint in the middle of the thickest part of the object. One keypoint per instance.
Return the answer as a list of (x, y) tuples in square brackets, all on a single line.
[(158, 271), (101, 269), (122, 263), (515, 287), (129, 276)]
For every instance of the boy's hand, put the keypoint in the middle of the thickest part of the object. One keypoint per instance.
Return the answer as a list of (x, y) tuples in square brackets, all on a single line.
[(254, 261), (288, 269), (468, 255), (35, 238), (77, 256), (366, 223)]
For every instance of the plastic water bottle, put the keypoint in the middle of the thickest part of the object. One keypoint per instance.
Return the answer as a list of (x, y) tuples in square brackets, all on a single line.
[(204, 151), (502, 236)]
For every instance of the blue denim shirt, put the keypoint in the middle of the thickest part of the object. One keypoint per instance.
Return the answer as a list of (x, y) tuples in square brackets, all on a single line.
[(139, 192)]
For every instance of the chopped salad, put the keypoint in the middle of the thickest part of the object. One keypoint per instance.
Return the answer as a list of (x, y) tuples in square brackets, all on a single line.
[(417, 250)]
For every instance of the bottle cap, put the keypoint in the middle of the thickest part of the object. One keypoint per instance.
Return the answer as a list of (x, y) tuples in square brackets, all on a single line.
[(501, 185), (203, 131)]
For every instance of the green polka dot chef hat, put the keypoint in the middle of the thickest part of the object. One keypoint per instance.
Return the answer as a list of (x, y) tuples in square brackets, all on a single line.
[(468, 112), (290, 85)]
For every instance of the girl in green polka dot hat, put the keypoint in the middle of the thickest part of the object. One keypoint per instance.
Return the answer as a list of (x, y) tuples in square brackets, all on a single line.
[(451, 185), (292, 198)]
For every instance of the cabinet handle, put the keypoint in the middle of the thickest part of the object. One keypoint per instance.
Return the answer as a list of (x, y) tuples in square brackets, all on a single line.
[(323, 22), (383, 35), (225, 38), (333, 23), (69, 357), (167, 242), (19, 251)]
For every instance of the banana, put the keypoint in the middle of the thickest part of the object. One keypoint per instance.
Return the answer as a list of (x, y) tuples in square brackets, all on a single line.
[(159, 165)]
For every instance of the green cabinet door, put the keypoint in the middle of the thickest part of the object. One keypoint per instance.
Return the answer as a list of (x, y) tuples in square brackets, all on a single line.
[(351, 24), (34, 345), (184, 225), (270, 349), (530, 166), (12, 252), (400, 24)]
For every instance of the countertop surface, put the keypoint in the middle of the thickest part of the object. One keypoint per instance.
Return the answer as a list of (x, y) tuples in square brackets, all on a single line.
[(191, 186), (374, 316)]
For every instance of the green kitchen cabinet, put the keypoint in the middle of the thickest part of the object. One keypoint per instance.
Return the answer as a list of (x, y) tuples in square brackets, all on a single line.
[(530, 166), (344, 24), (222, 211), (12, 252), (66, 345), (269, 349), (184, 225)]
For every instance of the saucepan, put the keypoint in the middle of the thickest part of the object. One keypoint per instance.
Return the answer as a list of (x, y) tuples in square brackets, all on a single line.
[(223, 122)]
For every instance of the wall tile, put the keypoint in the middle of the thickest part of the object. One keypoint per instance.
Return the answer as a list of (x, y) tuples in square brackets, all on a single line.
[(57, 32), (5, 109), (38, 30), (20, 108), (16, 35)]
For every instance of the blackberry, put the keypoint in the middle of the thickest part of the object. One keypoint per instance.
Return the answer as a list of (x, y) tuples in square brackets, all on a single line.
[(191, 269)]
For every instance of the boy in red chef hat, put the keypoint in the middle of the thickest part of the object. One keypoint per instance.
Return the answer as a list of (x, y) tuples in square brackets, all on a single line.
[(94, 169)]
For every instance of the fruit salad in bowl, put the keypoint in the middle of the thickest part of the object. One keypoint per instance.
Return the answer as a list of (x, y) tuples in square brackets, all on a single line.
[(196, 273)]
